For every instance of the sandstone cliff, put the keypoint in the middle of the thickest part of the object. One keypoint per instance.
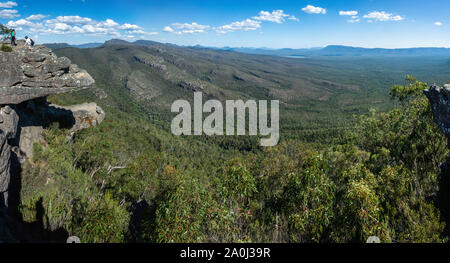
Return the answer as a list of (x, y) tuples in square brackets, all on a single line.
[(27, 77)]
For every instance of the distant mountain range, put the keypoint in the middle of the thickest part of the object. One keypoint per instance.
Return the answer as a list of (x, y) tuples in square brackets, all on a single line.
[(345, 51), (328, 51), (56, 46)]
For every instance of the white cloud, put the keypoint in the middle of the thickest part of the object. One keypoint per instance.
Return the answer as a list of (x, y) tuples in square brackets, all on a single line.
[(246, 25), (310, 9), (354, 19), (93, 29), (168, 29), (8, 4), (88, 26), (9, 13), (19, 23), (63, 25), (130, 27), (71, 20), (61, 28), (109, 23), (23, 23), (277, 16), (142, 32), (348, 13), (186, 28), (354, 16), (193, 26), (438, 24), (36, 17), (382, 16)]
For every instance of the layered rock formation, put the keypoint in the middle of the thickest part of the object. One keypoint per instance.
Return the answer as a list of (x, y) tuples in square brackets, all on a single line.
[(28, 74), (8, 130), (27, 77)]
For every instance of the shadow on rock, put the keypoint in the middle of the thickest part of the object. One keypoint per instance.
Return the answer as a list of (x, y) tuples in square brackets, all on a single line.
[(24, 232)]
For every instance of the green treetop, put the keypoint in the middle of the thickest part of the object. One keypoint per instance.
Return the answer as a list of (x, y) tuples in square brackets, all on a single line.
[(4, 31)]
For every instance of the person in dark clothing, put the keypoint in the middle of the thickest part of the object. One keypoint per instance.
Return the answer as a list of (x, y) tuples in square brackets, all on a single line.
[(13, 37)]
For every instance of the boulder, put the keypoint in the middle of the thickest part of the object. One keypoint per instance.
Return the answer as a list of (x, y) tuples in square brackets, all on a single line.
[(36, 115), (83, 116)]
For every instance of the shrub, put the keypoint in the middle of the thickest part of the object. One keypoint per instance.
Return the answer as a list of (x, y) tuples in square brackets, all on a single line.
[(6, 48), (100, 221)]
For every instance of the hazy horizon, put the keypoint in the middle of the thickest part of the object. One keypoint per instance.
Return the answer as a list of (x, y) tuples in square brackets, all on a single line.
[(249, 47)]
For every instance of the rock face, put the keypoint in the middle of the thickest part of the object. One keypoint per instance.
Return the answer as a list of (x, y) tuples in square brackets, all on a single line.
[(27, 77), (36, 115), (28, 74), (440, 102), (86, 115), (8, 129)]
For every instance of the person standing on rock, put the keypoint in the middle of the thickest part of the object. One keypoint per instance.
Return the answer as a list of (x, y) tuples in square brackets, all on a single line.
[(13, 37), (29, 42)]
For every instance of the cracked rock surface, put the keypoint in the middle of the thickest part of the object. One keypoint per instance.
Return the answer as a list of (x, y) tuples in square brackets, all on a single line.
[(27, 77), (27, 74)]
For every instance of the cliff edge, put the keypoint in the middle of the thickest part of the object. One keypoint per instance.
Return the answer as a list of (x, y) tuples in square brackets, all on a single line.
[(28, 74), (27, 77)]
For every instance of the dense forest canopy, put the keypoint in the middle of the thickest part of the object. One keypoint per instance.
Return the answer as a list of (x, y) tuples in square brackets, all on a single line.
[(381, 179)]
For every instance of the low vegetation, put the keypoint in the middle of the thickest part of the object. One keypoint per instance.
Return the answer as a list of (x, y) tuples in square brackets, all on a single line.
[(6, 48)]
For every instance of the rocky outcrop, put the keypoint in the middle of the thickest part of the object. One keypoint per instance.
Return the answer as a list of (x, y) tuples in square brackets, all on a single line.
[(38, 114), (140, 87), (153, 62), (27, 77), (440, 103), (86, 115), (28, 74)]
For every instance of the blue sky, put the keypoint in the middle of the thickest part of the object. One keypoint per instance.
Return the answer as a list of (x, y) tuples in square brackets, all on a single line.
[(273, 24)]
